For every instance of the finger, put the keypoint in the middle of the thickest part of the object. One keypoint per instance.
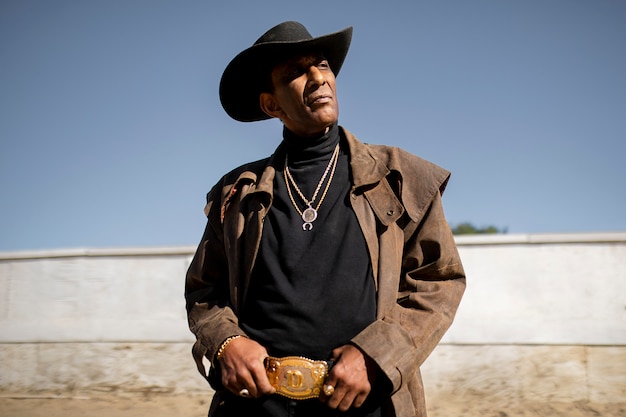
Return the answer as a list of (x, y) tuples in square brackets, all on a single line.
[(229, 380), (330, 381), (335, 400), (250, 383), (359, 400), (261, 381), (346, 402), (235, 382), (244, 392), (333, 381)]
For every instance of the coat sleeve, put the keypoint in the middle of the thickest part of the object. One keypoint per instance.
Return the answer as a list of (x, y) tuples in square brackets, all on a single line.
[(430, 287), (209, 311)]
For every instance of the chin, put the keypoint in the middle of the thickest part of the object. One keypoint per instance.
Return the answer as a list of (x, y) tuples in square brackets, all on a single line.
[(328, 120)]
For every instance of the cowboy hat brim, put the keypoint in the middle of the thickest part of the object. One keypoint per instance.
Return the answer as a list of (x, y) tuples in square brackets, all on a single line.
[(247, 75)]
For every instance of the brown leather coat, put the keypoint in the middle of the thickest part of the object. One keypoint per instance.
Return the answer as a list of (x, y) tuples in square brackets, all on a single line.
[(419, 277)]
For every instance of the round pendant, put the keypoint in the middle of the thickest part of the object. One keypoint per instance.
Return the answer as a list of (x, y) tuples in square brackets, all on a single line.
[(309, 215)]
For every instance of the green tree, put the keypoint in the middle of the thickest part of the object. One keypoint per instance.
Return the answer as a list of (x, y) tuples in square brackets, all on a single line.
[(469, 229)]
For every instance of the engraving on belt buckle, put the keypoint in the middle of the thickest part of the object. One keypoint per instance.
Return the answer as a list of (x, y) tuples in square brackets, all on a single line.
[(296, 377)]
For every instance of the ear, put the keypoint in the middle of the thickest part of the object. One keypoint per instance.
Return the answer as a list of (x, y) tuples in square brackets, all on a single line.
[(269, 105)]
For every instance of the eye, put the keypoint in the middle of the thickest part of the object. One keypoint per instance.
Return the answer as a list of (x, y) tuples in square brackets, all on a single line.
[(291, 74), (323, 64)]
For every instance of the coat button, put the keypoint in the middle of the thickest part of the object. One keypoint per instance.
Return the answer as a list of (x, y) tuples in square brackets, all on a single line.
[(390, 213)]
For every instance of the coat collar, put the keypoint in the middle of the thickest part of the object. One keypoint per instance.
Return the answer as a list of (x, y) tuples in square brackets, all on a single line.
[(366, 168), (413, 180), (369, 165)]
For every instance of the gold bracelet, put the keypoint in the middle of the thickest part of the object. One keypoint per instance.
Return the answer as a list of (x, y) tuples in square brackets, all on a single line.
[(225, 343)]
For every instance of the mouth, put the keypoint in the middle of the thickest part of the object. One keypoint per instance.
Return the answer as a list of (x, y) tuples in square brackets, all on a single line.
[(319, 99)]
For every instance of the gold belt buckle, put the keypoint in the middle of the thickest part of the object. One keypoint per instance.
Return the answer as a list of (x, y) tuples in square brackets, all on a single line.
[(296, 377)]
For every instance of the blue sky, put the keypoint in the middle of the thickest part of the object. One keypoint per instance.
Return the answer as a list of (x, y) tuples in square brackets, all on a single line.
[(111, 131)]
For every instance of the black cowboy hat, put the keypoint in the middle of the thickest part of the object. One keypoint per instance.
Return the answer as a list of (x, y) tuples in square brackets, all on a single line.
[(247, 75)]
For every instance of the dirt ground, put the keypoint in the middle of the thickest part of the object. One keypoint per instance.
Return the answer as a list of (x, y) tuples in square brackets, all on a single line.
[(167, 405)]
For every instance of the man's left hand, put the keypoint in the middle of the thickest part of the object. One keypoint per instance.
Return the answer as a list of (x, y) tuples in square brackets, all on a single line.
[(352, 375)]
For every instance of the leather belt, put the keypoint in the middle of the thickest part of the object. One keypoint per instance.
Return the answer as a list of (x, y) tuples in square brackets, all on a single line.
[(296, 377)]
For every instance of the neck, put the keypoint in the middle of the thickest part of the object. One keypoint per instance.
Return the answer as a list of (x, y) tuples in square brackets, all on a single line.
[(303, 148)]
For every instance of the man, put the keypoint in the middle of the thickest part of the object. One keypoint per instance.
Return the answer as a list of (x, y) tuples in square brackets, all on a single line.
[(327, 272)]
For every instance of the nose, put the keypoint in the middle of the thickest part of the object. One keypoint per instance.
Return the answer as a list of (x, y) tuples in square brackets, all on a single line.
[(315, 76)]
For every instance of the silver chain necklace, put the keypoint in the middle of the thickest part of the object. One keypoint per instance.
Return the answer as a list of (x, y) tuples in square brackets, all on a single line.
[(310, 214)]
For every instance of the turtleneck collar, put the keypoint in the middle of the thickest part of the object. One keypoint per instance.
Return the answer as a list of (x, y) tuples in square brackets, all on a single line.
[(301, 149)]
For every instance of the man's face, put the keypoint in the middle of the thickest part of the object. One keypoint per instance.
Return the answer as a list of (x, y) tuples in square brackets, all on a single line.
[(304, 95)]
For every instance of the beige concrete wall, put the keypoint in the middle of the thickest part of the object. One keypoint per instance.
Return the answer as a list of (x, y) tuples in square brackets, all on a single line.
[(543, 289), (503, 375), (512, 375), (543, 319)]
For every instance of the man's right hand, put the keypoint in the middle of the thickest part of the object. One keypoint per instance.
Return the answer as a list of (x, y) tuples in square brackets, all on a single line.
[(243, 368)]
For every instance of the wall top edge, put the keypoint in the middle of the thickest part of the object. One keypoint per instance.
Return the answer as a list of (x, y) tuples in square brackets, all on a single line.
[(99, 252), (541, 238), (463, 240)]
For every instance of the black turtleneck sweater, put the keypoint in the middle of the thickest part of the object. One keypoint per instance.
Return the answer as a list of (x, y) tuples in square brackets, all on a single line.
[(311, 290)]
